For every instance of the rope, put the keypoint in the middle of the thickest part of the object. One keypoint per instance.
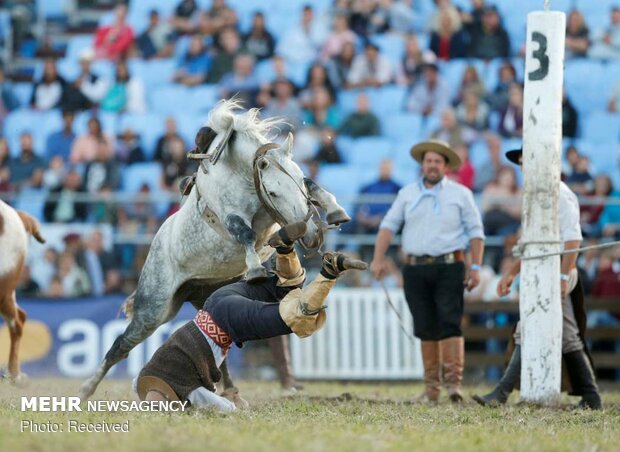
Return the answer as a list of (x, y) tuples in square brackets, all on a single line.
[(517, 251), (401, 322), (547, 5)]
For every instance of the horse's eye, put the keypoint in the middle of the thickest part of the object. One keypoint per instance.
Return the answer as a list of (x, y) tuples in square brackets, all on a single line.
[(273, 194)]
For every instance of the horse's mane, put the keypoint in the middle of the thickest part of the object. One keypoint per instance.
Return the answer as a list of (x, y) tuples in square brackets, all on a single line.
[(244, 121)]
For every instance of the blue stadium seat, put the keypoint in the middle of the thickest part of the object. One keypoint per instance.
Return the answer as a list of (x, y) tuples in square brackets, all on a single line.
[(68, 68), (387, 100), (23, 92), (347, 100), (391, 46), (602, 128), (406, 169), (77, 44), (343, 181), (154, 73), (24, 120), (203, 98), (51, 9), (150, 126), (169, 99), (580, 77), (479, 154), (139, 174), (188, 125), (402, 127), (109, 122), (32, 201), (366, 153)]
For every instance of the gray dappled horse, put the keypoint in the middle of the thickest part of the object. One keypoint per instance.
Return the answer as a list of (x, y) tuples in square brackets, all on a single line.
[(244, 187)]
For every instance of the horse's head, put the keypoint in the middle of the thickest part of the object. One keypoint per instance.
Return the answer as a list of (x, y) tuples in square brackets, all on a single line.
[(280, 183)]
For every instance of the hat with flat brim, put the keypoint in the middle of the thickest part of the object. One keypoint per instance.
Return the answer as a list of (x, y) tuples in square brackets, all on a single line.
[(514, 155), (150, 383), (440, 147)]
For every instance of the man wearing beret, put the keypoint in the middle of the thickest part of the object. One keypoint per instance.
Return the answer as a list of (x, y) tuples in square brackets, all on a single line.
[(440, 220)]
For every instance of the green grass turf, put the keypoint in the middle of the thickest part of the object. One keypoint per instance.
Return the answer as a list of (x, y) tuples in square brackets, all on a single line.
[(320, 418)]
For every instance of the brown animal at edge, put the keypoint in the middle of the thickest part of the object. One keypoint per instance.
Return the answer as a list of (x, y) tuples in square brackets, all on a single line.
[(14, 230)]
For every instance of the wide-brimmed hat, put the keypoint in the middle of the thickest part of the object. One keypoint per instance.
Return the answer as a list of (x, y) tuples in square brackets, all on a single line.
[(440, 147), (514, 154), (150, 383)]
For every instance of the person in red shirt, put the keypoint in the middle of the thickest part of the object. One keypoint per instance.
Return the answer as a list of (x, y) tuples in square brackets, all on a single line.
[(114, 41)]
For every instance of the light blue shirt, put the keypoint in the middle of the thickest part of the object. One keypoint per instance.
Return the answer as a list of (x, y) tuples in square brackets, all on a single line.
[(437, 221)]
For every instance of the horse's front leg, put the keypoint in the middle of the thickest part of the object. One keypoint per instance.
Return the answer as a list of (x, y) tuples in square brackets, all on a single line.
[(335, 212), (244, 234)]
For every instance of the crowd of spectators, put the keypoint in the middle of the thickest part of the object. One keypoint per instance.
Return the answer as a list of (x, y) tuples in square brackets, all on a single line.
[(340, 50)]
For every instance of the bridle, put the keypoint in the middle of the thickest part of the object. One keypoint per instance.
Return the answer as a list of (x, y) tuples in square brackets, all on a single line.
[(267, 200)]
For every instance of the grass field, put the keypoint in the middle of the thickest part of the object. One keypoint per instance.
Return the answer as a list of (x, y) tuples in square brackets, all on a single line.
[(324, 417)]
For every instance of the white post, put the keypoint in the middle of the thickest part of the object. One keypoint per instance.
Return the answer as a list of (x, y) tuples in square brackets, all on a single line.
[(540, 304)]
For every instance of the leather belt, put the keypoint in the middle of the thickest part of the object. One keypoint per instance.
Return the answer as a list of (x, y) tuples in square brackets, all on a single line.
[(449, 258)]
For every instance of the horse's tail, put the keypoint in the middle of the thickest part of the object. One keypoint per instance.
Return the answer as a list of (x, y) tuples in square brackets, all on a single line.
[(31, 225), (127, 306)]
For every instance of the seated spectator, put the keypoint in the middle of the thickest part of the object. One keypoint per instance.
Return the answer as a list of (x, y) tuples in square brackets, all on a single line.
[(412, 62), (155, 41), (448, 42), (341, 34), (577, 35), (129, 150), (283, 104), (470, 81), (103, 171), (592, 210), (473, 20), (607, 282), (451, 132), (99, 264), (302, 43), (370, 69), (328, 151), (162, 148), (570, 118), (361, 123), (259, 42), (316, 80), (581, 181), (572, 158), (47, 92), (219, 17), (609, 221), (114, 41), (501, 204), (487, 173), (44, 269), (26, 286), (511, 119), (26, 169), (241, 82), (194, 65), (126, 94), (339, 67), (223, 62), (61, 205), (445, 7), (88, 89), (359, 15), (183, 19), (498, 99), (322, 112), (54, 173), (607, 47), (177, 167), (8, 100), (466, 174), (59, 143), (472, 112), (490, 39), (369, 214), (613, 105), (86, 147), (378, 18), (431, 94), (5, 159), (73, 278)]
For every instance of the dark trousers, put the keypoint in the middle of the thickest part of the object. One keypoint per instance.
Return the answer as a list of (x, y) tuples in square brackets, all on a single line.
[(434, 294), (249, 312)]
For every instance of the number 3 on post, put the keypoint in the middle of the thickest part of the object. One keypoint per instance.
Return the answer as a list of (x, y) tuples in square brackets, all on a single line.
[(541, 55)]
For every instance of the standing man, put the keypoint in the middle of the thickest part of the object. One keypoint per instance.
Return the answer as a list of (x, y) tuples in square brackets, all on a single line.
[(580, 372), (440, 218)]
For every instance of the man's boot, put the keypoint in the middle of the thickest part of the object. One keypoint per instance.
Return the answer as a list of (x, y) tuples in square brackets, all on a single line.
[(431, 359), (509, 380), (302, 309), (453, 357), (284, 239), (282, 362), (583, 380)]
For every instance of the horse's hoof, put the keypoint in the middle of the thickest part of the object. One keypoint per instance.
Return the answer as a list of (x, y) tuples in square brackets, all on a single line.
[(21, 380), (337, 217), (86, 390), (257, 275)]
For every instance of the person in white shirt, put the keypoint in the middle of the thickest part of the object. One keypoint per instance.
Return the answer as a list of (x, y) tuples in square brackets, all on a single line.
[(371, 69), (574, 352)]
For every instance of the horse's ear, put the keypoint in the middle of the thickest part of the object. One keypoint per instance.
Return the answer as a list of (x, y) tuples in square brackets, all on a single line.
[(204, 138), (287, 146)]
